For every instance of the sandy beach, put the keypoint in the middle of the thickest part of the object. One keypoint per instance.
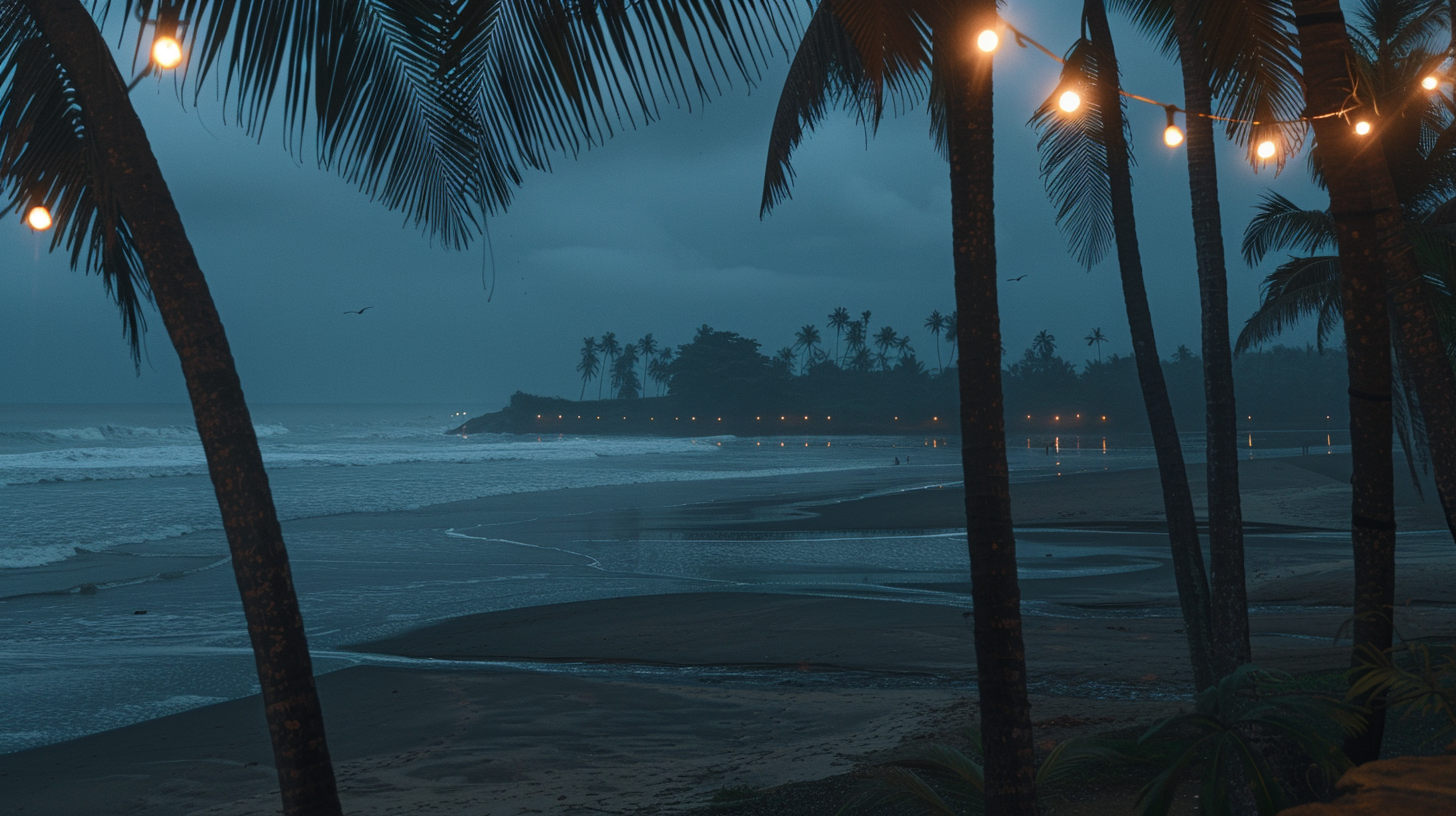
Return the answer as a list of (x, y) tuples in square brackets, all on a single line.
[(650, 704)]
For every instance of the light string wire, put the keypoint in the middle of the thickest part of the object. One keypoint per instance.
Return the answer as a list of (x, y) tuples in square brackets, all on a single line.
[(1023, 40)]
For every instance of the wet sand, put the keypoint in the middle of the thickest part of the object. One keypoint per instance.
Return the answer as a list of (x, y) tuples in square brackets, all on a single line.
[(650, 704)]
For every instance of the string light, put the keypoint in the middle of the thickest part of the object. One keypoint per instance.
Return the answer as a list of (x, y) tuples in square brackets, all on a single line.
[(166, 52), (39, 219), (1362, 128), (1069, 101), (1266, 149), (1431, 82), (1172, 136), (988, 41)]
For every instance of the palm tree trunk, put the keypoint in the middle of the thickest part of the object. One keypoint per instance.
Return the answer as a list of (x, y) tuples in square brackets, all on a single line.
[(995, 593), (1177, 497), (1351, 165), (260, 562), (1229, 617)]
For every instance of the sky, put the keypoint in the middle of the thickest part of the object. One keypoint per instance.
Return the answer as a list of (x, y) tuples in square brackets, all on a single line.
[(657, 231)]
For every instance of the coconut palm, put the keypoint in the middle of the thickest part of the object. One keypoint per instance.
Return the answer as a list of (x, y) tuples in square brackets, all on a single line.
[(1086, 165), (854, 339), (838, 320), (647, 346), (903, 349), (393, 96), (1044, 344), (658, 370), (590, 364), (1097, 338), (935, 324), (950, 335), (859, 54), (612, 350), (806, 338), (625, 384)]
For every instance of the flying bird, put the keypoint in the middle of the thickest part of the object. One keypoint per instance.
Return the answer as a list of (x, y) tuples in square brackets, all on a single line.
[(1008, 280), (361, 311)]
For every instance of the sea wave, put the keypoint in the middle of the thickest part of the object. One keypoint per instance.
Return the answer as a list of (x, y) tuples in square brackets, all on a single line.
[(121, 433)]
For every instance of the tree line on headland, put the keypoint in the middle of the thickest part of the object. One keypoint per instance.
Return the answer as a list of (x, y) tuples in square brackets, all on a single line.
[(863, 381)]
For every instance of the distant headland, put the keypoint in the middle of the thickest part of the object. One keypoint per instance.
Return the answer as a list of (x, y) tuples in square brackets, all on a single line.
[(720, 384)]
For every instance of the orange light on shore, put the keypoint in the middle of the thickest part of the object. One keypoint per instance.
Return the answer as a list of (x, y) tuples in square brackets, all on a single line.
[(988, 41), (39, 219), (1431, 82), (166, 52), (1362, 128), (1069, 101)]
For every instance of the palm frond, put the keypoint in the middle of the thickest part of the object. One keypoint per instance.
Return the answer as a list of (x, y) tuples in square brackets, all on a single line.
[(825, 69), (1297, 289), (1250, 47), (1279, 223), (1074, 155), (436, 107), (1154, 18), (49, 158)]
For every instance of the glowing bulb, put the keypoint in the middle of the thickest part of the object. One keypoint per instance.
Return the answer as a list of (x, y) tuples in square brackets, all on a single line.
[(1265, 149), (39, 219), (988, 41), (1069, 101), (1430, 83), (1172, 136), (1362, 128), (166, 52)]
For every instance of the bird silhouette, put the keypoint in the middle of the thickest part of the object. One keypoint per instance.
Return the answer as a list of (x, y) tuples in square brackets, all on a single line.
[(1008, 280), (361, 311)]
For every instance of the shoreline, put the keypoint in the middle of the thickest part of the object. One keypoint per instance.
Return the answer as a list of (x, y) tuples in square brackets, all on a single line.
[(689, 693)]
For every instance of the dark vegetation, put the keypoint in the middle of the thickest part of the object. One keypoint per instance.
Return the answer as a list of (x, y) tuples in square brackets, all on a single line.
[(720, 383)]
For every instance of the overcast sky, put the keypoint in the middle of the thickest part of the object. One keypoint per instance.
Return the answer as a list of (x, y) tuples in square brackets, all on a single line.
[(658, 232)]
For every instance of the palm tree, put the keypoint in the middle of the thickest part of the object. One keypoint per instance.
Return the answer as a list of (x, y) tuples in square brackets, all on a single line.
[(1044, 344), (1097, 338), (885, 340), (785, 358), (854, 339), (399, 106), (648, 347), (658, 369), (625, 384), (806, 338), (1086, 163), (590, 364), (885, 45), (951, 321), (613, 350), (935, 324), (838, 320), (902, 346)]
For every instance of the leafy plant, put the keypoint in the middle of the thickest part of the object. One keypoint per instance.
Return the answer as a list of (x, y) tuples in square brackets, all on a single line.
[(1424, 686), (1233, 733)]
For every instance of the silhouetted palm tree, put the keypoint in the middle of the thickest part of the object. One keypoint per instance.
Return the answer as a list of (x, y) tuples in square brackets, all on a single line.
[(806, 338), (659, 369), (951, 322), (902, 346), (625, 384), (854, 339), (613, 350), (838, 320), (1097, 338), (648, 347), (1044, 344), (935, 324), (590, 364), (1086, 165)]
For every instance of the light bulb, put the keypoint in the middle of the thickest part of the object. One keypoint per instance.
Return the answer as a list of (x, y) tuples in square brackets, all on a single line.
[(1069, 101), (988, 41), (1430, 83), (39, 219), (166, 52), (1266, 149), (1362, 128), (1172, 136)]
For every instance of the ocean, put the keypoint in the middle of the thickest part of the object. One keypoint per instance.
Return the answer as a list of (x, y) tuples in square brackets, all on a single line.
[(116, 603)]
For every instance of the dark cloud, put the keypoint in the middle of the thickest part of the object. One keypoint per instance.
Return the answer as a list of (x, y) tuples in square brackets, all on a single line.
[(658, 231)]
